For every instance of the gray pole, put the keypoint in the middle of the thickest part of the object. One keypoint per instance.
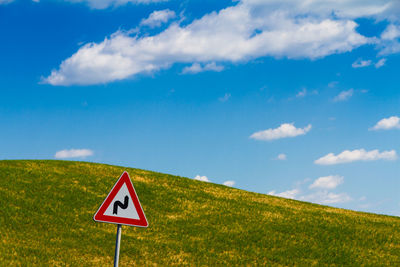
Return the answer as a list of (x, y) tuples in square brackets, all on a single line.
[(117, 245)]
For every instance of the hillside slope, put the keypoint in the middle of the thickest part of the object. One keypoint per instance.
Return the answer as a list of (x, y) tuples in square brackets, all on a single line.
[(47, 209)]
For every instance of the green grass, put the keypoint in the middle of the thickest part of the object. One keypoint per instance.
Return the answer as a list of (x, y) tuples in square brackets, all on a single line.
[(47, 209)]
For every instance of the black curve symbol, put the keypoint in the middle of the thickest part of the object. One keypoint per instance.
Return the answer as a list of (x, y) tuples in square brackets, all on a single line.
[(119, 204)]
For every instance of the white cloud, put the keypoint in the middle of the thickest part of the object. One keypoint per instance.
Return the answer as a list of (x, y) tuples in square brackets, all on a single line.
[(102, 4), (225, 97), (73, 153), (157, 18), (292, 194), (196, 68), (201, 178), (281, 157), (320, 193), (391, 32), (333, 84), (356, 155), (359, 63), (283, 131), (389, 41), (387, 123), (326, 197), (327, 182), (229, 183), (380, 63), (213, 67), (302, 93), (236, 34), (344, 95), (344, 9)]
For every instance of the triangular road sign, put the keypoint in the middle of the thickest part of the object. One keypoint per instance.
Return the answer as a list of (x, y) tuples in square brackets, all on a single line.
[(122, 205)]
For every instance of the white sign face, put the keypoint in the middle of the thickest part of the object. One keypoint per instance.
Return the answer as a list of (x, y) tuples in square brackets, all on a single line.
[(122, 205)]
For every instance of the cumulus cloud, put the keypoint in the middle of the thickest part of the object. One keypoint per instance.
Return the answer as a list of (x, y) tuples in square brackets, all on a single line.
[(333, 84), (205, 179), (326, 197), (292, 194), (225, 97), (229, 183), (356, 155), (102, 4), (302, 93), (320, 191), (389, 41), (380, 63), (201, 178), (384, 9), (387, 123), (359, 63), (281, 156), (157, 18), (327, 182), (284, 131), (391, 32), (344, 95), (196, 68), (248, 30), (73, 153)]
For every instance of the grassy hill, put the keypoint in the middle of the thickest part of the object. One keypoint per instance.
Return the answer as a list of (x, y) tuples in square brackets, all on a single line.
[(47, 208)]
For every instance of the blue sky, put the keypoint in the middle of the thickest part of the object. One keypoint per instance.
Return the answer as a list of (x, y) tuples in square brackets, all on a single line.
[(294, 99)]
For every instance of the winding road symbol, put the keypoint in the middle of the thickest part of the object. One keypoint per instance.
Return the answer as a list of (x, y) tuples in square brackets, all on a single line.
[(122, 205), (119, 204)]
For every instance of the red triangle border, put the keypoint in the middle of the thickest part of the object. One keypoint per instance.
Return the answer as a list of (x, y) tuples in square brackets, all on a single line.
[(100, 217)]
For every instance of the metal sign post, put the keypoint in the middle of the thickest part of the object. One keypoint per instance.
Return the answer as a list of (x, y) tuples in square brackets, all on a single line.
[(117, 245), (121, 207)]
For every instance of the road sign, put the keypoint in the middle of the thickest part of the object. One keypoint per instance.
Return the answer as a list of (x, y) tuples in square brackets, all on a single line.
[(122, 205)]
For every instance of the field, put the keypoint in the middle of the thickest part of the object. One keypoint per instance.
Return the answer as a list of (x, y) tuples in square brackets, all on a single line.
[(47, 209)]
